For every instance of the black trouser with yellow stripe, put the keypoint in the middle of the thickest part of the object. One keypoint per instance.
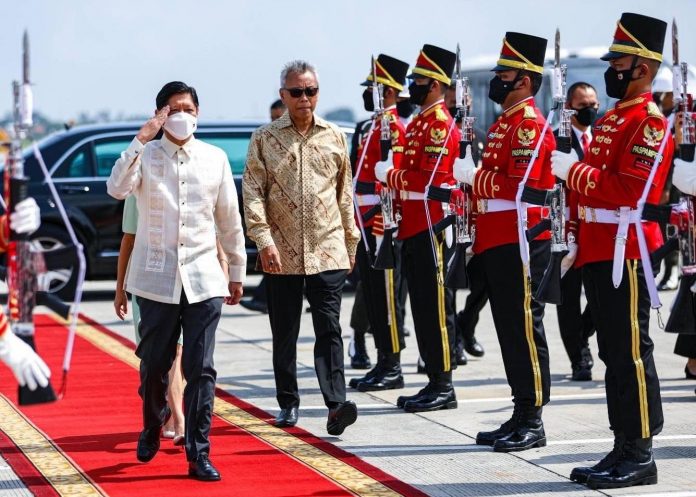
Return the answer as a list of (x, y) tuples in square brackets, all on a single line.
[(432, 305), (621, 317), (518, 319), (380, 293)]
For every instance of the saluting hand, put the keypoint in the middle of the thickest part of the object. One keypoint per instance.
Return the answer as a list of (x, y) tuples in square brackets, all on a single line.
[(152, 126)]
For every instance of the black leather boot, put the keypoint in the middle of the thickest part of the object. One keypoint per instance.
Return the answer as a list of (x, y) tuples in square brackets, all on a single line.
[(528, 433), (376, 371), (358, 352), (489, 437), (441, 396), (402, 399), (636, 466), (582, 473), (389, 377)]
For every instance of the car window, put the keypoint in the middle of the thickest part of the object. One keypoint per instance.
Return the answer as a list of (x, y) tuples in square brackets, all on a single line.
[(107, 152), (234, 146), (76, 166)]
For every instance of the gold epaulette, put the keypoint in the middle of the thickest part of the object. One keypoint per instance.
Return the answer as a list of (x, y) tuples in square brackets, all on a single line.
[(529, 112), (654, 110), (440, 114)]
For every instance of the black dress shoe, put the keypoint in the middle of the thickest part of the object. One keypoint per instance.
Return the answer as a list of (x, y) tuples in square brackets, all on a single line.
[(473, 347), (461, 358), (287, 417), (582, 473), (402, 399), (341, 417), (434, 401), (689, 375), (581, 372), (388, 379), (148, 444), (255, 305), (528, 433), (202, 469), (489, 437), (636, 466)]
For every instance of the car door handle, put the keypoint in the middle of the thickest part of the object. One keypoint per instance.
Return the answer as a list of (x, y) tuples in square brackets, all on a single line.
[(73, 189)]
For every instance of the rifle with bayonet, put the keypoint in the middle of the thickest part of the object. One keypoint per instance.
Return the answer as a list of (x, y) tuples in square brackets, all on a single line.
[(457, 201), (384, 258), (23, 260), (549, 289), (682, 319)]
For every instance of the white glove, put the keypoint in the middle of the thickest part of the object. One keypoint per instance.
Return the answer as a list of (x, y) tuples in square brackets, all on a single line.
[(464, 169), (569, 259), (27, 366), (382, 168), (26, 218), (562, 162), (684, 176)]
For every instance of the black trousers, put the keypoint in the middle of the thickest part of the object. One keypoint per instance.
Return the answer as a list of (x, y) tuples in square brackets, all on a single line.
[(468, 318), (324, 292), (380, 294), (160, 325), (518, 319), (432, 305), (622, 316), (686, 346), (575, 325)]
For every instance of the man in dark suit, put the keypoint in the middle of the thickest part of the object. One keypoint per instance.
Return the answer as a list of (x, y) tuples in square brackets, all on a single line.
[(575, 324)]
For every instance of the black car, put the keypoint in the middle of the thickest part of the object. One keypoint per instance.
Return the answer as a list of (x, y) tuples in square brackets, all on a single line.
[(80, 161)]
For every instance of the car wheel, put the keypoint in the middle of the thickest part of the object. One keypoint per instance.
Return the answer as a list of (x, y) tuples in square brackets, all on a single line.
[(60, 282)]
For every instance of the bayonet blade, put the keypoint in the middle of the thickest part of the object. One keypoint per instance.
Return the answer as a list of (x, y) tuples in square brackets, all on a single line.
[(557, 49), (675, 43), (459, 63), (25, 58)]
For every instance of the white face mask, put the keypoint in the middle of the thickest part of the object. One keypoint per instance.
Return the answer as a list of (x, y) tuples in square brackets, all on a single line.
[(181, 125)]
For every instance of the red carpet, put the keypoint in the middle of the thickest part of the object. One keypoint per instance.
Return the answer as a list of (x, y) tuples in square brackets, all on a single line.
[(90, 437)]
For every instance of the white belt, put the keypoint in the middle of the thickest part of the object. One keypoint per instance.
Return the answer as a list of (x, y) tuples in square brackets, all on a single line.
[(607, 216), (407, 195), (485, 205), (367, 200), (624, 217)]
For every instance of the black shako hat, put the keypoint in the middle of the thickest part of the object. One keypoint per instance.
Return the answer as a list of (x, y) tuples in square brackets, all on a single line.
[(436, 63), (521, 51), (639, 35), (390, 72)]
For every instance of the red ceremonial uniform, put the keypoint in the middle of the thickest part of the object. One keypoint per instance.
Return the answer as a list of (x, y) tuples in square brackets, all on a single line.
[(427, 136), (511, 142), (613, 174), (373, 155)]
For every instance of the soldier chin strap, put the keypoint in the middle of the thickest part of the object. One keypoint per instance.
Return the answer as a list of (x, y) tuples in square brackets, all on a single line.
[(82, 266), (522, 206)]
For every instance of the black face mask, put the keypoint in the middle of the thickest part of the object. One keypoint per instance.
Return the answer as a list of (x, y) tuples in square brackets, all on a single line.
[(498, 89), (617, 81), (418, 93), (367, 101), (452, 111), (404, 108), (586, 116)]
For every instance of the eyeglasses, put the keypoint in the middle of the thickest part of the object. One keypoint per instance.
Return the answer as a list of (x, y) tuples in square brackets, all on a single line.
[(297, 92)]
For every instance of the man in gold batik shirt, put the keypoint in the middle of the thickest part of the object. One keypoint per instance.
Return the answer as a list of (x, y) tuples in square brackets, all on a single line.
[(298, 207)]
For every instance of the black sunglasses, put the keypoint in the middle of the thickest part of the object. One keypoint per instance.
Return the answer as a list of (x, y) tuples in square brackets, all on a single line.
[(297, 92)]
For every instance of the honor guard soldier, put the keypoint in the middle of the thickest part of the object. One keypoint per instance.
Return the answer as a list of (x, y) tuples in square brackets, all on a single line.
[(610, 180), (432, 143), (505, 159), (380, 286)]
